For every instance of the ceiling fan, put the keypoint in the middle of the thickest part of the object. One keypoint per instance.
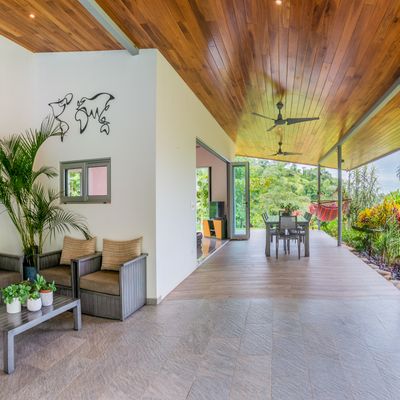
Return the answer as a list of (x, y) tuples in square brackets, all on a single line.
[(282, 121), (284, 153)]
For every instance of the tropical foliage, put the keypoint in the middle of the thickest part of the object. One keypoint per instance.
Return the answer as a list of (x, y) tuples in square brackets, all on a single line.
[(203, 195), (34, 210), (363, 190), (272, 182), (376, 231)]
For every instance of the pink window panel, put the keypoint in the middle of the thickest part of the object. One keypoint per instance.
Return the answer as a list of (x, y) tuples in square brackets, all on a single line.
[(97, 180)]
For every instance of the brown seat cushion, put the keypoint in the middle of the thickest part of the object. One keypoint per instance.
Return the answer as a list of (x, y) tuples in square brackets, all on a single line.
[(9, 277), (74, 248), (101, 282), (116, 253), (61, 275)]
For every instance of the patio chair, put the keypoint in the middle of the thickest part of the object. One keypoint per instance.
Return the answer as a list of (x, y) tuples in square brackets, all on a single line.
[(287, 231), (301, 230), (10, 269), (57, 265), (272, 231), (116, 293)]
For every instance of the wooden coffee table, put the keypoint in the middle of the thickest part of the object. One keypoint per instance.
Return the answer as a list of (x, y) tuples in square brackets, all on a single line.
[(12, 325)]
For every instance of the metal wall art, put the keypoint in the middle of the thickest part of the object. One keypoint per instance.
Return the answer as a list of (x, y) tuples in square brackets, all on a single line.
[(57, 109), (94, 107), (87, 107)]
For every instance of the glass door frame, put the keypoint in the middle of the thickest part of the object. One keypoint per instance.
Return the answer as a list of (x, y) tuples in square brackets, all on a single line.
[(231, 176)]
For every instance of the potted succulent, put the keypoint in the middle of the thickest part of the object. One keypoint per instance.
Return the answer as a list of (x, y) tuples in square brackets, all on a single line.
[(46, 290), (34, 303), (13, 295)]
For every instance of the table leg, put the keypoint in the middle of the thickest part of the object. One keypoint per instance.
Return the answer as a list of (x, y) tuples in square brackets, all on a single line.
[(307, 242), (77, 317), (267, 241), (8, 352)]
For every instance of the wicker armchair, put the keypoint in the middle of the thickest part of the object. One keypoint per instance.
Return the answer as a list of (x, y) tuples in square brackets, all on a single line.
[(10, 269), (48, 265), (111, 294)]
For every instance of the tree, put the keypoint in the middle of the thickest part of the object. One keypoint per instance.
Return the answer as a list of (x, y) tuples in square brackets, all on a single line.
[(272, 183), (363, 189), (203, 195)]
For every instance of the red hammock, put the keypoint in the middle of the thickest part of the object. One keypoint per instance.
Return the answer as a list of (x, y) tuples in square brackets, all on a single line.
[(327, 211)]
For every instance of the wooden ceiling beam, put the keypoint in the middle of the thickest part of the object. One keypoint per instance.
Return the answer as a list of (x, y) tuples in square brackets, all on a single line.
[(110, 26)]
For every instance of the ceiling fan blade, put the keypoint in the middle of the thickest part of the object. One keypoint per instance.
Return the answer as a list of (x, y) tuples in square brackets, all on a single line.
[(291, 121), (262, 116), (289, 153), (272, 155), (270, 129)]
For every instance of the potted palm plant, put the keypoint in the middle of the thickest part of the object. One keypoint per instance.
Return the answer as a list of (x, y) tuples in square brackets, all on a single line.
[(35, 211), (46, 290)]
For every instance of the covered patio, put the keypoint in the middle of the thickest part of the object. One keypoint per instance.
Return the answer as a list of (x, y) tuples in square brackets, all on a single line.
[(241, 326), (138, 85), (241, 269)]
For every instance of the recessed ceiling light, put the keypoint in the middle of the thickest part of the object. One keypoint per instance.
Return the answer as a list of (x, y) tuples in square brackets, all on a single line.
[(279, 2), (32, 15)]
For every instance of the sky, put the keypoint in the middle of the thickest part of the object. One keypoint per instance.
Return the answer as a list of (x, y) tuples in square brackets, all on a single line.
[(386, 170)]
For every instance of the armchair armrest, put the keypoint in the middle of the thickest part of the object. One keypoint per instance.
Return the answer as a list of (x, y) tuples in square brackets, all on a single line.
[(132, 275), (10, 262), (85, 265), (48, 260), (130, 263)]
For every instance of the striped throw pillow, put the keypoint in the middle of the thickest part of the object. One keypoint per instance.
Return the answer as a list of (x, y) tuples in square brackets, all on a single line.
[(74, 248), (116, 253)]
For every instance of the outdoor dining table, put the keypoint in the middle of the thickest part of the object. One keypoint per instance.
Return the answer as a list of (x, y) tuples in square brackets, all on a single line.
[(273, 221)]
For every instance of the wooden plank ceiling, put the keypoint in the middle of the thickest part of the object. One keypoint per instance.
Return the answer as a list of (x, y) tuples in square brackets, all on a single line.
[(326, 58), (58, 25)]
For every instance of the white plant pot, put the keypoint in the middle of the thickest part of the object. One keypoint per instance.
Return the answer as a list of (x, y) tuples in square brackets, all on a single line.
[(14, 307), (47, 298), (34, 304)]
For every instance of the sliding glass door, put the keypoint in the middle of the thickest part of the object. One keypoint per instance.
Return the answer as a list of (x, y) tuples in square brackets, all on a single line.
[(239, 200)]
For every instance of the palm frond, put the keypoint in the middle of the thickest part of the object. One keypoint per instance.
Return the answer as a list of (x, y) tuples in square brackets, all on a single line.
[(63, 221), (34, 211)]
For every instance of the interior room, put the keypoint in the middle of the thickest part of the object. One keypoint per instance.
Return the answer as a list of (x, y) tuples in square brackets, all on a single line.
[(212, 202)]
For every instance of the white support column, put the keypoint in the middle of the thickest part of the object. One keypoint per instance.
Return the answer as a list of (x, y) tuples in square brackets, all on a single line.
[(319, 190), (340, 194)]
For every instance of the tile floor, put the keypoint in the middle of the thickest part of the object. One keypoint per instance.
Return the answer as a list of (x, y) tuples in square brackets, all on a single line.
[(222, 347)]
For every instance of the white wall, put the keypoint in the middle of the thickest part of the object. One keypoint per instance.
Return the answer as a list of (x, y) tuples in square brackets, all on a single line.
[(181, 118), (155, 120), (130, 144), (16, 114), (219, 175)]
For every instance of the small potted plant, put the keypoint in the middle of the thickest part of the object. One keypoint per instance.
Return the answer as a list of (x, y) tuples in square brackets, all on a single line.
[(46, 290), (288, 209), (34, 303), (25, 288), (12, 297)]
